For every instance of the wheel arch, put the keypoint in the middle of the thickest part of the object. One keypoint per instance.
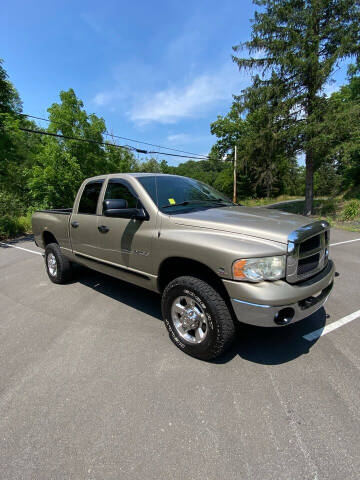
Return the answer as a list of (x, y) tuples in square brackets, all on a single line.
[(173, 267), (48, 237)]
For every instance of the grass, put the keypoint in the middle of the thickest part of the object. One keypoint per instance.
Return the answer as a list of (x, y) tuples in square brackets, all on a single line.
[(257, 202)]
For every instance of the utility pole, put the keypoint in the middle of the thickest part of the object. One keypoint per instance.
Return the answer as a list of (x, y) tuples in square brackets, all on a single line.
[(235, 161)]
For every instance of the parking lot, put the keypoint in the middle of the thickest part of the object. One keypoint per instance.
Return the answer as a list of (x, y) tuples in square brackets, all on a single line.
[(92, 387)]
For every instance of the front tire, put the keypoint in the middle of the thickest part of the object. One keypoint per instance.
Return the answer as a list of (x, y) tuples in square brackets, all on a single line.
[(58, 267), (197, 318)]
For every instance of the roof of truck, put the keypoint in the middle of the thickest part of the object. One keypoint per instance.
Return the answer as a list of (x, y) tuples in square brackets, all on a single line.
[(133, 174)]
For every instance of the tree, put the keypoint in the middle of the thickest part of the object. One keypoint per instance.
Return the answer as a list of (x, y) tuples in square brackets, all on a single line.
[(119, 160), (54, 178), (69, 118), (230, 130), (267, 148), (17, 148), (301, 42), (150, 166), (9, 98), (340, 132), (258, 127), (10, 108)]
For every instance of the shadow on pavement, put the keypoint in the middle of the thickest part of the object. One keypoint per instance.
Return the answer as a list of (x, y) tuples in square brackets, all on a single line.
[(274, 346), (14, 241), (266, 346), (136, 297)]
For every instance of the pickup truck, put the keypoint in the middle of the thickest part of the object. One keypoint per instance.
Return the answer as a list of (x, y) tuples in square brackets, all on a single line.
[(213, 262)]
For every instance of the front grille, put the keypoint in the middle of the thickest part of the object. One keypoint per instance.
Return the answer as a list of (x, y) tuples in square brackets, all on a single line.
[(313, 242), (307, 251), (307, 264)]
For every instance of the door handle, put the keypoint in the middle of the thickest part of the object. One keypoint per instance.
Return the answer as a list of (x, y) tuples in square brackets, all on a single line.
[(103, 229), (75, 224)]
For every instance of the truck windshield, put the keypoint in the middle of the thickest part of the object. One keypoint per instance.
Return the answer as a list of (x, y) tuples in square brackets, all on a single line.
[(173, 194)]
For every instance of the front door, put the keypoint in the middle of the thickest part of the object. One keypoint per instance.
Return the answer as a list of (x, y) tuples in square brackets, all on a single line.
[(126, 242)]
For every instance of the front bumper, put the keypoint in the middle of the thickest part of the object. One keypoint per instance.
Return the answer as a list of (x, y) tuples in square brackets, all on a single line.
[(271, 304)]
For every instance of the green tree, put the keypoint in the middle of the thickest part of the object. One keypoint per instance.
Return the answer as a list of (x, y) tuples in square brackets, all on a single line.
[(267, 149), (327, 180), (70, 119), (230, 130), (340, 132), (63, 164), (301, 42), (256, 125), (9, 98), (150, 166), (54, 179), (10, 108), (119, 160), (17, 148)]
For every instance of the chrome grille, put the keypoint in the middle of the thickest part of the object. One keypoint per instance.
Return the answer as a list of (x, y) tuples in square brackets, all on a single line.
[(307, 251)]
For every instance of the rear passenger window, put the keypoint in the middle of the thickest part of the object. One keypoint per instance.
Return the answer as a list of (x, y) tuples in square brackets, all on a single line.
[(116, 190), (89, 197)]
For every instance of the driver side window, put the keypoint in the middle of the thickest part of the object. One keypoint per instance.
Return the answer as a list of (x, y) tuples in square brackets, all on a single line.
[(116, 190)]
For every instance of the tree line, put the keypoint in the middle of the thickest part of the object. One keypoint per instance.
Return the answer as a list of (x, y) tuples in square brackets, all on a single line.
[(283, 115)]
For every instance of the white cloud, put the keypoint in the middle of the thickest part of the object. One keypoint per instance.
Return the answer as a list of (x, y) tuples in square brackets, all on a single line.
[(128, 79), (192, 100), (178, 137), (103, 98)]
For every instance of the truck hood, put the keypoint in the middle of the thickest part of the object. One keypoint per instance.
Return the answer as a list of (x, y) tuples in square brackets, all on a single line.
[(266, 223)]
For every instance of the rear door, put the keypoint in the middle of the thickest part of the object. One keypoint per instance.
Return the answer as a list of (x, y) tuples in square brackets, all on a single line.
[(84, 233)]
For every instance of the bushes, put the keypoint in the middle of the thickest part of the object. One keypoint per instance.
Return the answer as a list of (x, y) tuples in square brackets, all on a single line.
[(13, 226), (10, 204), (351, 210), (326, 207)]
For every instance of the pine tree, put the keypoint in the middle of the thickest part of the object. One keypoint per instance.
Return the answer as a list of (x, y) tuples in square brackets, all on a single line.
[(301, 42)]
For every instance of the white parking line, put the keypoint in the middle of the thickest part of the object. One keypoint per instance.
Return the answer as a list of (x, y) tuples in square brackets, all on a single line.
[(333, 326), (20, 248), (347, 241)]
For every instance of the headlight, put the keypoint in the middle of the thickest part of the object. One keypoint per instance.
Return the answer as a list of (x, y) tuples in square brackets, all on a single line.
[(258, 269)]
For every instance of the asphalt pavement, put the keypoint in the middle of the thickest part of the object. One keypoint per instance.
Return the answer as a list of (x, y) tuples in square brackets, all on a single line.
[(92, 388)]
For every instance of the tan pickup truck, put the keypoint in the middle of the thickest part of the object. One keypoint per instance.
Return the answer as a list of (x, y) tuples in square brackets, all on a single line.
[(213, 262)]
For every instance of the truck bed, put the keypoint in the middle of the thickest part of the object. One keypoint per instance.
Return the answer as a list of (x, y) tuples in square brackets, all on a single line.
[(59, 211), (55, 222)]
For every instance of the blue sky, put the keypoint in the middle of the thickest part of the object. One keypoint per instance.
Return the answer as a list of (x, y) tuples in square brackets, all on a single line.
[(158, 71)]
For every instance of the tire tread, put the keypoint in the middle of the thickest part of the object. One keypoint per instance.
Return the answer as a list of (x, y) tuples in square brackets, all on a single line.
[(64, 270), (224, 321)]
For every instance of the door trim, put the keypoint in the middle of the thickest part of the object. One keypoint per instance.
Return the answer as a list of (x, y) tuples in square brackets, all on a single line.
[(115, 265)]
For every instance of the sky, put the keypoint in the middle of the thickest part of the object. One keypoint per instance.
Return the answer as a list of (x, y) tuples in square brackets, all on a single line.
[(156, 71)]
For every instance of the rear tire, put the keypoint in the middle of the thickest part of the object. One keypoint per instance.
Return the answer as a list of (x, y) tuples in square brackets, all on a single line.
[(58, 267), (197, 318)]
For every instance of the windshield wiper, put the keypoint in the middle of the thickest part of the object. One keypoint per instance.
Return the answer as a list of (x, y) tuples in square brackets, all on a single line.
[(213, 201), (176, 204), (187, 202)]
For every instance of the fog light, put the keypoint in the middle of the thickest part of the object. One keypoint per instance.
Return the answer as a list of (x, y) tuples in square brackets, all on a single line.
[(284, 316)]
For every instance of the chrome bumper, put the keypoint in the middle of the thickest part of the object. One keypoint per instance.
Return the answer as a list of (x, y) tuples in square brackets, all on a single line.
[(270, 316), (304, 300)]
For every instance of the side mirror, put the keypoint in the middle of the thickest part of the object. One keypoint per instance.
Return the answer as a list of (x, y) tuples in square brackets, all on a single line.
[(119, 208), (114, 206)]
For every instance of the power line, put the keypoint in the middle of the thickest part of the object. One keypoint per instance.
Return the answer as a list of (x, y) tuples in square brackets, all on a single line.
[(86, 140), (194, 155), (89, 140)]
